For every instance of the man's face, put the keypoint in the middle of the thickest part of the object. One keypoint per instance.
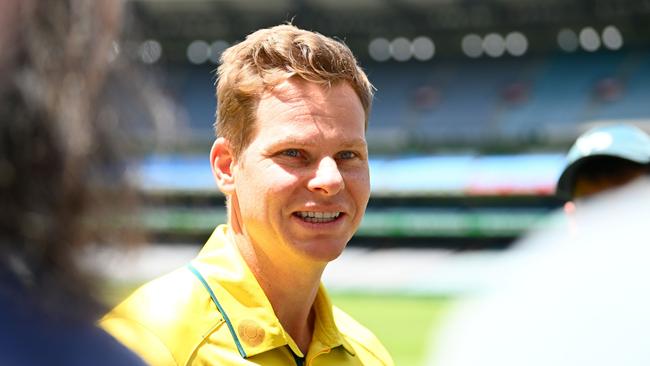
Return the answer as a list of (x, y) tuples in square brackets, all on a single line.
[(302, 184)]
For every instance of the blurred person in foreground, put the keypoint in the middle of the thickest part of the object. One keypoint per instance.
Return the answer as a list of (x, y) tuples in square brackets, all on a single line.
[(62, 180), (565, 300), (575, 292), (292, 159), (602, 159)]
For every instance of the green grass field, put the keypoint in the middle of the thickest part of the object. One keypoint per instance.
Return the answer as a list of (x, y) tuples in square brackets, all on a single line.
[(404, 324)]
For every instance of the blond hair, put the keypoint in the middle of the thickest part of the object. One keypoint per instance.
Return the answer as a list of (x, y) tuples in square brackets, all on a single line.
[(266, 58)]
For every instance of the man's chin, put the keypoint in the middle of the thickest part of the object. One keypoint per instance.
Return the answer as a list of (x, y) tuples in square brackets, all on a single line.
[(322, 251)]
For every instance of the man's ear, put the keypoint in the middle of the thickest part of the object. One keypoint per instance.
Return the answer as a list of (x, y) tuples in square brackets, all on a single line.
[(222, 162)]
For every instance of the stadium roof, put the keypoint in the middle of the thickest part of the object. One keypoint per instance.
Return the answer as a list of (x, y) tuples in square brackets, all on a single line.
[(177, 22)]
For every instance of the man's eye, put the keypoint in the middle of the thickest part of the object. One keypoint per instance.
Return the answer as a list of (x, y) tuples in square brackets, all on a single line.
[(345, 155), (292, 153)]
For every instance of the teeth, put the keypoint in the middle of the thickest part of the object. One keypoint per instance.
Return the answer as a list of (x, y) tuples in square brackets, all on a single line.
[(318, 217)]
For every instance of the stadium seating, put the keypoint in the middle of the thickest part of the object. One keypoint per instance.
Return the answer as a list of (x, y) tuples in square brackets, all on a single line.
[(467, 102), (561, 95), (634, 76)]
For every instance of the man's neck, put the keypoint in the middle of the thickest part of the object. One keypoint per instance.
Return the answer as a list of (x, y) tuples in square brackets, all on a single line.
[(291, 286)]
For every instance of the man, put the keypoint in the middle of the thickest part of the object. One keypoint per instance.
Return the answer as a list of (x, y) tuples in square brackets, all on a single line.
[(604, 158), (292, 160)]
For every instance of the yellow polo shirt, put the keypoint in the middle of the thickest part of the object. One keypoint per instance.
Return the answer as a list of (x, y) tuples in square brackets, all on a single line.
[(213, 312)]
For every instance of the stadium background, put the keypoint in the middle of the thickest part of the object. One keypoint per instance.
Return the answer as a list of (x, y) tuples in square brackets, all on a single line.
[(476, 104)]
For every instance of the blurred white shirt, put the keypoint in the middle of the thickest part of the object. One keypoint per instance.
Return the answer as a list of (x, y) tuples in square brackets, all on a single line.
[(564, 299)]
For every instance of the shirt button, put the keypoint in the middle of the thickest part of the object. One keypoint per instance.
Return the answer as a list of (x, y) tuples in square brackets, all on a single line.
[(250, 332)]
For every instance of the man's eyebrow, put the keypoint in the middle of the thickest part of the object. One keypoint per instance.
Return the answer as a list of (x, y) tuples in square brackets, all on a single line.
[(291, 141), (354, 143)]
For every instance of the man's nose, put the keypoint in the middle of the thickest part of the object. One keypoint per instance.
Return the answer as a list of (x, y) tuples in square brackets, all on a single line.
[(327, 178)]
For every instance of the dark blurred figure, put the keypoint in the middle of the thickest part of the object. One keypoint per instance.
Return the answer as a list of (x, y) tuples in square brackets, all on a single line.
[(63, 183), (602, 159)]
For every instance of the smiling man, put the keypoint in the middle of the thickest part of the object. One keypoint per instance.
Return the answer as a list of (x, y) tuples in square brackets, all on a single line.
[(291, 158)]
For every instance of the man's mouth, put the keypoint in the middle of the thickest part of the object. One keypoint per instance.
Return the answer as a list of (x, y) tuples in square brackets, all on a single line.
[(317, 217)]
